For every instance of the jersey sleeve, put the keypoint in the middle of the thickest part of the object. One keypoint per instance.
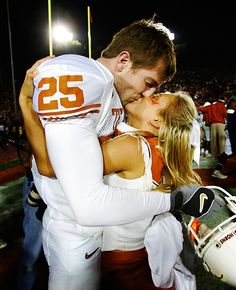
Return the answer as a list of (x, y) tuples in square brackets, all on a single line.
[(69, 86), (77, 160)]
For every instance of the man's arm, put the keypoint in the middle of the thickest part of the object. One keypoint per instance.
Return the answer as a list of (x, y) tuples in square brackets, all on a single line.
[(78, 165), (77, 160)]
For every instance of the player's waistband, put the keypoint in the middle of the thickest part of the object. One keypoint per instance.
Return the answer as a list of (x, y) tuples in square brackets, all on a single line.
[(124, 256)]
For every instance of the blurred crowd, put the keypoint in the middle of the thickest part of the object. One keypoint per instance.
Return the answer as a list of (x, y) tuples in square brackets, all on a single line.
[(11, 122), (203, 85)]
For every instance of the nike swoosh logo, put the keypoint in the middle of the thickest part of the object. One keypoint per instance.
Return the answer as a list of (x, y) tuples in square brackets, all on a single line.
[(202, 198), (89, 255)]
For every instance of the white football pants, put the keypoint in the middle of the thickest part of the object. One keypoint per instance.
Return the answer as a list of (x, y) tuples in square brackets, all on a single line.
[(73, 264)]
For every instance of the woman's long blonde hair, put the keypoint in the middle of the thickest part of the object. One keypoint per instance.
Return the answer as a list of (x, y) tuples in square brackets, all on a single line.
[(175, 138)]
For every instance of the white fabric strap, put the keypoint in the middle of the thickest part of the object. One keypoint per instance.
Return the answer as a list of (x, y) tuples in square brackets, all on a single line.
[(195, 141)]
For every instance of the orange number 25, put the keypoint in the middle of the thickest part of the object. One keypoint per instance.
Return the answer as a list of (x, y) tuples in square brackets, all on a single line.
[(64, 89)]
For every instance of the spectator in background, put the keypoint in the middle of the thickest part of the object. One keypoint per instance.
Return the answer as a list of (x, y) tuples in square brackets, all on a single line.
[(207, 131), (230, 145), (231, 122), (217, 115), (204, 121)]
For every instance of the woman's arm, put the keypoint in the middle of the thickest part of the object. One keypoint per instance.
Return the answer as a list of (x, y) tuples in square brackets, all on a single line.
[(35, 135), (32, 124)]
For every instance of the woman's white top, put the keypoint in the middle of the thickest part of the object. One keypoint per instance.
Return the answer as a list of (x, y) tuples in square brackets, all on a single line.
[(129, 236)]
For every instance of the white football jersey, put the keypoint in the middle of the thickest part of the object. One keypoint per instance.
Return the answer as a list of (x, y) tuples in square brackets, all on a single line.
[(71, 86)]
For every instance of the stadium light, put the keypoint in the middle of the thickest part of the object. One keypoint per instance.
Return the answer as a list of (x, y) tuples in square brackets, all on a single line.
[(61, 34)]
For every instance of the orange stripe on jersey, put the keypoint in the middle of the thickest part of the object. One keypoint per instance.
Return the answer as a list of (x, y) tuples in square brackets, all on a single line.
[(70, 111), (70, 117)]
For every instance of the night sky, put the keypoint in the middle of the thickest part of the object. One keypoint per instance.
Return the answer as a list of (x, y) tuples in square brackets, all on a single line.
[(204, 30)]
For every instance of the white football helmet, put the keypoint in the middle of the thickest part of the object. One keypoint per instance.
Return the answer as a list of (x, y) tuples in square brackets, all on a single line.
[(214, 236)]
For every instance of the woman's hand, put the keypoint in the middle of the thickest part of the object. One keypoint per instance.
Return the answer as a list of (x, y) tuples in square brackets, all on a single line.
[(27, 88)]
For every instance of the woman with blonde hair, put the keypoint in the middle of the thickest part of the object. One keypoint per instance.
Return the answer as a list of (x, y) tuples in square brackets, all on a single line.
[(155, 140)]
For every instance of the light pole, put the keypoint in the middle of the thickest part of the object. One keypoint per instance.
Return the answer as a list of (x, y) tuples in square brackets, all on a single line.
[(50, 27), (89, 32), (12, 64)]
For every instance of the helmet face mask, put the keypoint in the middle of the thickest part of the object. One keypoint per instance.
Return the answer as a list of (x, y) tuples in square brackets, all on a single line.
[(214, 237)]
